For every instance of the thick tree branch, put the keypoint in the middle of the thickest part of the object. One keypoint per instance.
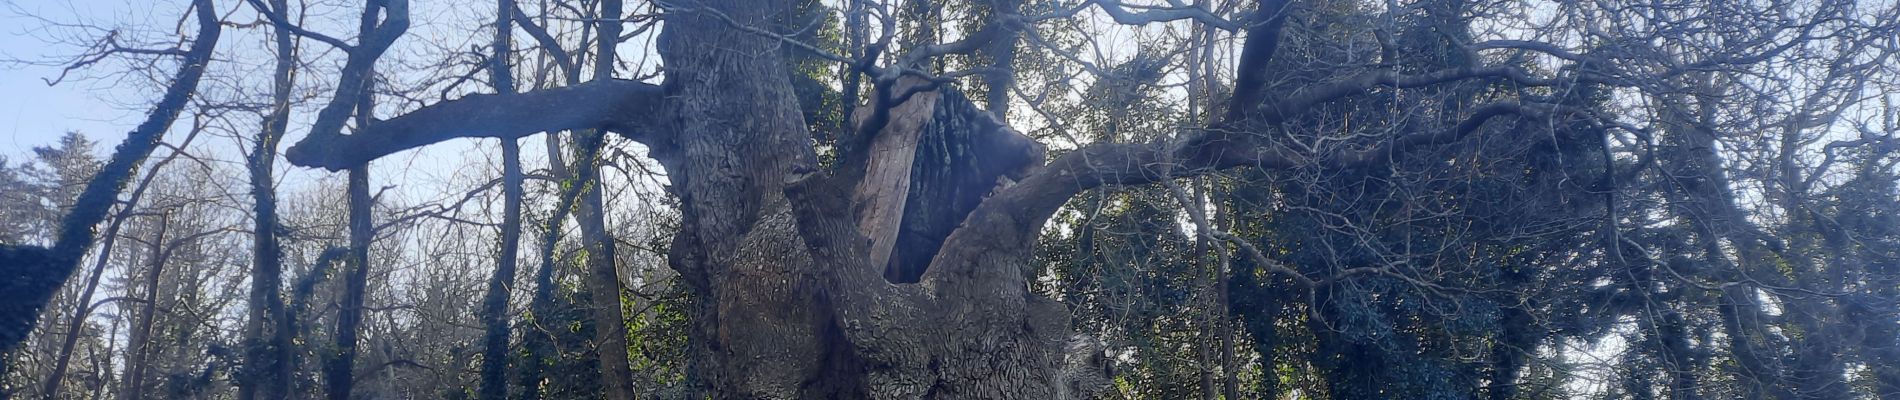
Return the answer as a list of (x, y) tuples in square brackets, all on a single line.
[(1024, 207), (1000, 26), (548, 42), (618, 105), (355, 74), (1115, 10), (1263, 39), (874, 311), (1527, 45)]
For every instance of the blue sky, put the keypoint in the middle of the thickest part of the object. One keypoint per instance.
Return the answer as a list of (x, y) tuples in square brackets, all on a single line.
[(37, 37), (33, 113)]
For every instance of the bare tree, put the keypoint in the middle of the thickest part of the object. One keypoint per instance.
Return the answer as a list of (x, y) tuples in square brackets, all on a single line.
[(43, 270)]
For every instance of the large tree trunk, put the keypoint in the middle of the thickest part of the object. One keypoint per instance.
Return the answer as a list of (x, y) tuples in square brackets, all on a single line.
[(795, 306), (738, 132)]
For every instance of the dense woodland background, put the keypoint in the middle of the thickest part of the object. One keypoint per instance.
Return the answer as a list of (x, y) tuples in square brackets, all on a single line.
[(1435, 199)]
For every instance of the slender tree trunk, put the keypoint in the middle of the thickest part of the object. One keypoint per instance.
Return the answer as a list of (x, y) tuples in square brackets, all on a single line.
[(1258, 310), (139, 340), (603, 285), (99, 388), (1224, 304), (602, 278), (299, 306), (1002, 54), (495, 305), (1207, 338), (339, 369), (83, 308), (267, 334), (500, 288), (535, 339), (355, 94)]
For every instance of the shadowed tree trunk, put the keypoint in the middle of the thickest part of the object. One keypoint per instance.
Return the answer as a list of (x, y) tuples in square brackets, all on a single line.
[(83, 307), (1704, 199), (379, 26), (301, 293), (494, 384), (1002, 53), (268, 332), (338, 369), (602, 277), (535, 338)]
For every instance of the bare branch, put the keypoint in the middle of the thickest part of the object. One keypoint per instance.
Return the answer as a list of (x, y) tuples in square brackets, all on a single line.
[(277, 17)]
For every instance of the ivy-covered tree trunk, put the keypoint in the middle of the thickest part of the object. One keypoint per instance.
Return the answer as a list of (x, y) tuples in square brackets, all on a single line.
[(602, 277), (268, 331)]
